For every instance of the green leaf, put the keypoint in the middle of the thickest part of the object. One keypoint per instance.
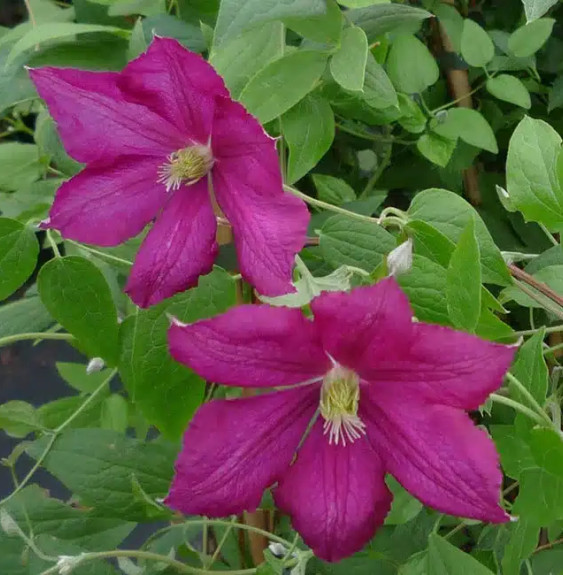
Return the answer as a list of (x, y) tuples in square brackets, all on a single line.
[(188, 34), (425, 286), (78, 297), (49, 516), (308, 129), (333, 190), (18, 418), (412, 119), (137, 43), (411, 66), (509, 89), (379, 91), (463, 288), (236, 16), (57, 31), (348, 65), (470, 126), (242, 57), (166, 392), (56, 412), (445, 559), (528, 39), (449, 214), (98, 465), (75, 375), (380, 19), (537, 8), (516, 455), (540, 497), (477, 48), (142, 7), (326, 29), (283, 83), (404, 507), (435, 148), (530, 368), (531, 175), (18, 255), (355, 243), (24, 315), (452, 21), (19, 165), (523, 540), (547, 449), (115, 412)]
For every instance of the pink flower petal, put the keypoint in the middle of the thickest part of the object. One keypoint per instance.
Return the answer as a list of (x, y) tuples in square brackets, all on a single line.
[(234, 449), (444, 366), (108, 202), (179, 248), (335, 495), (251, 346), (435, 452), (359, 328), (177, 84), (269, 225), (96, 122)]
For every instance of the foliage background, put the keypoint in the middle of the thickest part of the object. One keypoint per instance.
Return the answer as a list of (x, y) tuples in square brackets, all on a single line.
[(442, 118)]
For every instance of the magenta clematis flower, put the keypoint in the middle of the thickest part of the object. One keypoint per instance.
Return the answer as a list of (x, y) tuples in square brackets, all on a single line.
[(369, 392), (161, 141)]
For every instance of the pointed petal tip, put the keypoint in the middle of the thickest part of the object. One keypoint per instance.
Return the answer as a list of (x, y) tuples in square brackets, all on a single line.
[(174, 321)]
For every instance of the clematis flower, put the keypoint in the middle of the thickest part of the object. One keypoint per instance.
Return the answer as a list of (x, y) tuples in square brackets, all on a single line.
[(162, 140), (368, 392)]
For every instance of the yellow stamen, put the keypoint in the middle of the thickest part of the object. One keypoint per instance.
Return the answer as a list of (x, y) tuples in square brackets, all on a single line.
[(340, 395), (186, 166)]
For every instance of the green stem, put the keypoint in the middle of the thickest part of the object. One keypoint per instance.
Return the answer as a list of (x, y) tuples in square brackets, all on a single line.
[(326, 206), (529, 397), (553, 329), (53, 244), (458, 100), (101, 255), (373, 137), (86, 402), (55, 433), (242, 526), (9, 339), (215, 555), (549, 350), (32, 471), (518, 407), (148, 556)]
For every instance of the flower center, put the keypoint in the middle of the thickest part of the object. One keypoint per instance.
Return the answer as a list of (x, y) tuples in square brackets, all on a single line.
[(340, 394), (186, 166)]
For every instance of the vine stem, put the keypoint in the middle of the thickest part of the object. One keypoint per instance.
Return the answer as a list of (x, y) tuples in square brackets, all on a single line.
[(518, 407), (326, 206), (53, 244), (149, 556), (101, 255), (530, 398), (55, 433), (9, 339)]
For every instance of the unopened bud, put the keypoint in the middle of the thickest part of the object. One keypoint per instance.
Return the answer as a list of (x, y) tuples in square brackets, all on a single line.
[(277, 549), (399, 261), (9, 526), (95, 364)]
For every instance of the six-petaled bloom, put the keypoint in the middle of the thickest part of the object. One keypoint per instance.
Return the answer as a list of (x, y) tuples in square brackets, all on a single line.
[(369, 392), (162, 140)]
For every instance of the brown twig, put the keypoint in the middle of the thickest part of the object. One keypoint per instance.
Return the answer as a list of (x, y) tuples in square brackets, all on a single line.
[(548, 545), (536, 284)]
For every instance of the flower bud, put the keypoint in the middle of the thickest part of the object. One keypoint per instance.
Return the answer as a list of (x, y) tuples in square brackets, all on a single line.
[(399, 261), (95, 364)]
